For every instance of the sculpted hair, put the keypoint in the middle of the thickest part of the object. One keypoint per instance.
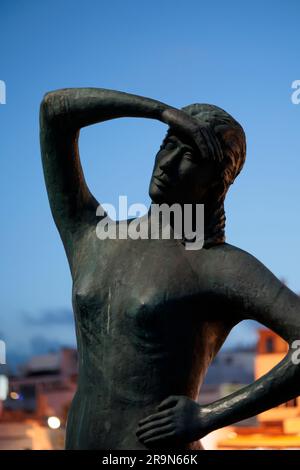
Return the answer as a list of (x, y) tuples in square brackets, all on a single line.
[(226, 143)]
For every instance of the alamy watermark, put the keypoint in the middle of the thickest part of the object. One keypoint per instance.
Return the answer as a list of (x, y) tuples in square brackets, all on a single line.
[(2, 92), (295, 97), (163, 222), (2, 352), (296, 354)]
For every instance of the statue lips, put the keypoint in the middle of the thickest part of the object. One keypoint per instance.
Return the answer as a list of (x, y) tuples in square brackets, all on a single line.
[(161, 183)]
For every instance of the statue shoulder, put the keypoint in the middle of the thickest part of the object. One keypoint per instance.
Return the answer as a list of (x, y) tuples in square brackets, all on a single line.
[(244, 281), (230, 268), (232, 256)]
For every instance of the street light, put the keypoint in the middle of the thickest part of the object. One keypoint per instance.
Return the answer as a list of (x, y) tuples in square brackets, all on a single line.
[(53, 422)]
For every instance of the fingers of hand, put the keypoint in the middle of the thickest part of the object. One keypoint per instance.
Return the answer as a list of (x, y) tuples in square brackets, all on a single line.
[(154, 417), (156, 424), (168, 403), (156, 432)]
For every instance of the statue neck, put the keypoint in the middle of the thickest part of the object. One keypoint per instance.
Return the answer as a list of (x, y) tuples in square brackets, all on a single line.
[(205, 220)]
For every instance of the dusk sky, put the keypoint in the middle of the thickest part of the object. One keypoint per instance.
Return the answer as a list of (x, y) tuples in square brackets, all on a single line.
[(241, 56)]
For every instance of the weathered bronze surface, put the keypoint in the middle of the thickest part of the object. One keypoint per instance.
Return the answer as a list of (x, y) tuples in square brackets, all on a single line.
[(151, 315)]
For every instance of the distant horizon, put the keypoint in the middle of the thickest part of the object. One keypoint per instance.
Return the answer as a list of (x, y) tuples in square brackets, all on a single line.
[(235, 342), (15, 361)]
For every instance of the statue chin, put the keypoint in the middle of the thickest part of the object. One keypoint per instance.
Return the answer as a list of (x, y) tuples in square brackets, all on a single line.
[(159, 195)]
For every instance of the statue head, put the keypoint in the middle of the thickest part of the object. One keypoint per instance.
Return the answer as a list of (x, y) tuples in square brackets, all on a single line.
[(186, 174)]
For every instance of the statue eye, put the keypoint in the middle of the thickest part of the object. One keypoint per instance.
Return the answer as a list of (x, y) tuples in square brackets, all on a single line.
[(169, 146), (189, 156)]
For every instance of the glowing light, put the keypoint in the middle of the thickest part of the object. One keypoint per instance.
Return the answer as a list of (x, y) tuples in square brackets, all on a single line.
[(53, 422), (14, 395)]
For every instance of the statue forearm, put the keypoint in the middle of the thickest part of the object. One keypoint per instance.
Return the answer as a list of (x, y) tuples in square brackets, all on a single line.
[(80, 107), (279, 385), (180, 419), (74, 108)]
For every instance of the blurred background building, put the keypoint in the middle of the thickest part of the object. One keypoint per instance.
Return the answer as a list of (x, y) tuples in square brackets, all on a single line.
[(277, 428), (35, 410)]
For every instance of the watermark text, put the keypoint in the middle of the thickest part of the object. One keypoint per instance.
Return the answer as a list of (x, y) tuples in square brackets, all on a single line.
[(2, 92), (181, 222), (295, 97), (2, 352)]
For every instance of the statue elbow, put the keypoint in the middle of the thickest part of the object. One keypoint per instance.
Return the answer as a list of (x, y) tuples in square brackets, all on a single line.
[(51, 106)]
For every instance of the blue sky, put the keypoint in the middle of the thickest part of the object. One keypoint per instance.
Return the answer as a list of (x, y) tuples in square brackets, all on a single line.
[(242, 56)]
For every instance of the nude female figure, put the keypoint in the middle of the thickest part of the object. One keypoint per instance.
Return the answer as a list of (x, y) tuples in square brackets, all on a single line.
[(150, 315)]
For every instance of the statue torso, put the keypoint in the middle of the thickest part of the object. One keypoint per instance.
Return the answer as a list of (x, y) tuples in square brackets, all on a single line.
[(147, 327)]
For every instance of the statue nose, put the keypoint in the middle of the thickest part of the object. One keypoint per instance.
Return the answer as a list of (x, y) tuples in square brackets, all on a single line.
[(168, 161), (165, 165)]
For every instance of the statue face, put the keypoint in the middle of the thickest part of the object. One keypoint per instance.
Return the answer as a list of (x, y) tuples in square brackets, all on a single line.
[(180, 175)]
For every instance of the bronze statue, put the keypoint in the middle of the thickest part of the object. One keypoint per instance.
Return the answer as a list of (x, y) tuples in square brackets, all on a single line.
[(151, 315)]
